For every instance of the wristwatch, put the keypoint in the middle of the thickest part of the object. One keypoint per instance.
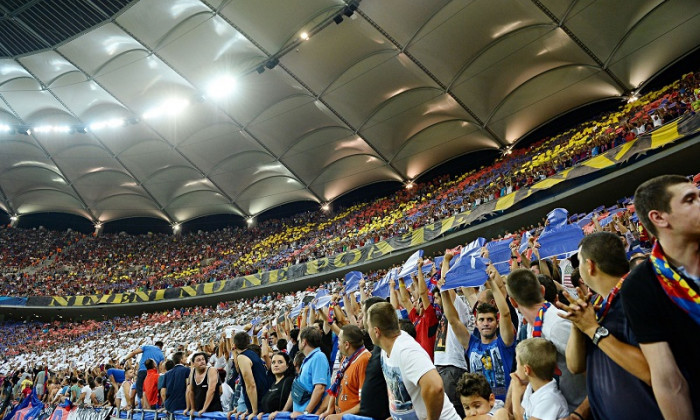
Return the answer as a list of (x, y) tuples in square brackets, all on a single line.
[(600, 333)]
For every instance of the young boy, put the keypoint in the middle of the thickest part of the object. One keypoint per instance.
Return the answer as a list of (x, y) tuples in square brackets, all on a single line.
[(535, 393), (478, 400)]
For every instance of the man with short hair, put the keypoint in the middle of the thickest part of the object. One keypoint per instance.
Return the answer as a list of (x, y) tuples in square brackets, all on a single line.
[(376, 407), (345, 391), (154, 352), (176, 384), (253, 372), (203, 395), (314, 376), (491, 346), (415, 387), (602, 345), (661, 295), (543, 320)]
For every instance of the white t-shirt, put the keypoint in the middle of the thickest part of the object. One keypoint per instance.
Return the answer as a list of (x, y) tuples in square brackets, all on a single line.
[(402, 371), (88, 392), (546, 403), (450, 351), (557, 330)]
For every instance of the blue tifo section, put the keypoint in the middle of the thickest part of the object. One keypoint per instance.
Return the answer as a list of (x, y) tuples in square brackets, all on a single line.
[(218, 415), (13, 301)]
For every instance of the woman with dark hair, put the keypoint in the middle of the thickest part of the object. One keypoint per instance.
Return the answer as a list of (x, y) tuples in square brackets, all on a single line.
[(283, 371)]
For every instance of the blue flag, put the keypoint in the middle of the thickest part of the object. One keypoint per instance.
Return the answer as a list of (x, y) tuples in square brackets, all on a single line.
[(557, 217), (352, 281), (474, 247), (499, 251), (297, 310), (381, 288), (411, 264), (321, 302), (468, 271), (560, 241), (524, 241)]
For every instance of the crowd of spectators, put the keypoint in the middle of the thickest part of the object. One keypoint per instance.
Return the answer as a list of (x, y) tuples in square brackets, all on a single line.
[(42, 262), (572, 338)]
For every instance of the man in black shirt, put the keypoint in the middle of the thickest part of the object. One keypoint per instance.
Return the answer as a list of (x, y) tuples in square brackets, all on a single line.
[(374, 400), (660, 296)]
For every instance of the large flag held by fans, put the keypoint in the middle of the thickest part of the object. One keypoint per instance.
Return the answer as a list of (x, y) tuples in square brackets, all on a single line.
[(352, 281), (558, 237), (29, 409), (381, 288), (411, 265), (499, 254), (467, 271)]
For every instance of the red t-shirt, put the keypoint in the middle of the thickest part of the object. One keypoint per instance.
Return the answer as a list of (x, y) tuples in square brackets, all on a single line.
[(150, 387), (426, 328)]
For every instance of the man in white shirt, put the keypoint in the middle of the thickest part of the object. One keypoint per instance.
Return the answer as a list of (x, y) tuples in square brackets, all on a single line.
[(414, 385)]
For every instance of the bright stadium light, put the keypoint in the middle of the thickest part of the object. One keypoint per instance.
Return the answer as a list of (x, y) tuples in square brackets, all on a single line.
[(249, 220), (221, 87), (4, 128), (409, 185), (325, 206), (170, 107), (304, 36)]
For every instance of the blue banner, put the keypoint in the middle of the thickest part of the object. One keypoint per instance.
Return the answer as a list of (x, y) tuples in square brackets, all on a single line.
[(352, 281), (468, 271)]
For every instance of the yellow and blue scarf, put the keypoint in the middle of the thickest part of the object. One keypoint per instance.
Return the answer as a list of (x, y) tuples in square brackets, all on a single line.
[(675, 284)]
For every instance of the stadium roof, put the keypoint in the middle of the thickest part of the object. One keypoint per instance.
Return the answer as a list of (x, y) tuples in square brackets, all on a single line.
[(178, 109)]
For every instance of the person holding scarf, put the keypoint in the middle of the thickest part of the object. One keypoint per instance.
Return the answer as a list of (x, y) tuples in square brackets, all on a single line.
[(661, 296), (345, 390)]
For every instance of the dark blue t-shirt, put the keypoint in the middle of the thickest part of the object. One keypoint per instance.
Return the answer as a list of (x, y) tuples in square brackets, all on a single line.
[(613, 392), (175, 388), (118, 374), (262, 383)]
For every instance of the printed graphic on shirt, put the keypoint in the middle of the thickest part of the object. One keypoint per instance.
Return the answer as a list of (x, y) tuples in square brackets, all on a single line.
[(441, 339), (488, 362), (400, 403)]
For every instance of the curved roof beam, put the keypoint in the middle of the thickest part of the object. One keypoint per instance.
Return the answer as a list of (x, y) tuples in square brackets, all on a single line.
[(124, 194), (24, 143), (420, 28), (56, 172), (167, 168), (325, 168), (159, 42), (51, 82), (392, 52), (381, 106), (249, 186), (199, 190), (410, 139), (330, 11), (106, 63), (103, 171), (492, 44), (285, 99), (75, 146), (17, 78), (50, 189), (537, 76), (629, 32), (308, 134), (235, 155)]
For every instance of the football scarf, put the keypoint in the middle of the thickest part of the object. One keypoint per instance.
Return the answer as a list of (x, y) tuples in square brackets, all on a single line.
[(674, 284)]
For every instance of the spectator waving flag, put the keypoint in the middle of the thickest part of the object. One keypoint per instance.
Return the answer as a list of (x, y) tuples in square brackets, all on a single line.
[(411, 264), (468, 271), (474, 247), (321, 302), (381, 288), (499, 254), (524, 241), (296, 311), (559, 239), (352, 281)]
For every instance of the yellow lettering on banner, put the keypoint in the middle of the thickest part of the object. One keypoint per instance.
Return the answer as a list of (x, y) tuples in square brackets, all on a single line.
[(418, 236), (78, 300), (565, 172), (93, 299), (274, 275), (447, 224), (209, 287), (598, 162), (118, 298), (59, 301), (311, 267), (105, 299), (665, 134), (143, 296), (383, 247), (160, 294), (253, 279), (624, 149), (356, 256), (505, 201), (547, 183), (187, 290)]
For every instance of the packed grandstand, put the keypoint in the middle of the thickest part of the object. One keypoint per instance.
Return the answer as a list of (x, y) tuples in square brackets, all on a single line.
[(579, 315)]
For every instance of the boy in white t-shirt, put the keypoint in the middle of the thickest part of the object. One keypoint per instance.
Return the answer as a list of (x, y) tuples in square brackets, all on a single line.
[(535, 394)]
